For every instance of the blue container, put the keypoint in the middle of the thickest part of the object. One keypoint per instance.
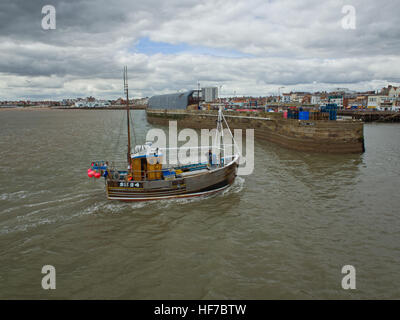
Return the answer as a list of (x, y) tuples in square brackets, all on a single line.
[(166, 172), (293, 114), (329, 107), (304, 115), (332, 114)]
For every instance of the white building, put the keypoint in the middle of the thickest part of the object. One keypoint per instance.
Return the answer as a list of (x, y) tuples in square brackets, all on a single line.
[(382, 103), (315, 99), (209, 94), (286, 97), (394, 92), (336, 99), (298, 96), (92, 104), (387, 103)]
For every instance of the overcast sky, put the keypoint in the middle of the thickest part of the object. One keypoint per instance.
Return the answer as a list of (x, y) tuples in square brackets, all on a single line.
[(250, 47)]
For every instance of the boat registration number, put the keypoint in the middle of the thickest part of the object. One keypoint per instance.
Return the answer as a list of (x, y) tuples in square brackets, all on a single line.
[(130, 184)]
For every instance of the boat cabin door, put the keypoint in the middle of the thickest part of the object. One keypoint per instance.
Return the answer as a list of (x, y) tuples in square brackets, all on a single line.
[(147, 168)]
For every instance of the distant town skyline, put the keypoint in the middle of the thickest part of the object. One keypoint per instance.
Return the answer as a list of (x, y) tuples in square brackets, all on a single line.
[(252, 48)]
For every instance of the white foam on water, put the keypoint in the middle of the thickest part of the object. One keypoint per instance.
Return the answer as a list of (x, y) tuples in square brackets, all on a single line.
[(18, 195), (27, 226), (59, 205), (236, 187), (106, 207), (47, 214), (10, 209), (14, 195), (55, 201), (135, 205), (167, 203), (32, 213), (89, 210)]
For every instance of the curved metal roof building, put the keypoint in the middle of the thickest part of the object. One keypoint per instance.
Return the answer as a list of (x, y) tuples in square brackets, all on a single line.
[(178, 100)]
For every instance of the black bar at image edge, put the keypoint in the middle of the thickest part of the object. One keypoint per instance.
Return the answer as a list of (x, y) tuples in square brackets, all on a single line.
[(208, 309)]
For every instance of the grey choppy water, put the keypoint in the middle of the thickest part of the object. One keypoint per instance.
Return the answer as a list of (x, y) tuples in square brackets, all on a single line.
[(283, 232)]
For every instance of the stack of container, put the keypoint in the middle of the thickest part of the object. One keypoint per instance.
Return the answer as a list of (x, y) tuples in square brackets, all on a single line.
[(328, 112), (331, 110), (317, 115), (314, 115), (304, 115), (293, 114)]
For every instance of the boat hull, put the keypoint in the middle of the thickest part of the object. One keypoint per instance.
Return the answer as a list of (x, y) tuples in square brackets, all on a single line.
[(202, 184)]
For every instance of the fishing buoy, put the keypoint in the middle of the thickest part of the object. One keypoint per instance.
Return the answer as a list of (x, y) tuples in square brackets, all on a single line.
[(90, 174), (97, 175), (90, 169)]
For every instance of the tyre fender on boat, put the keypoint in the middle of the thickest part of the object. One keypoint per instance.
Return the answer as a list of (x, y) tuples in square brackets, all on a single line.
[(115, 175)]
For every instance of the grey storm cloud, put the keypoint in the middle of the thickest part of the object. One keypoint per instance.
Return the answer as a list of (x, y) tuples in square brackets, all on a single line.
[(297, 44)]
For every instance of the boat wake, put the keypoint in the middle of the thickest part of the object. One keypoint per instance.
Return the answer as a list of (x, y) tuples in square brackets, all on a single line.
[(236, 187), (42, 215), (115, 207)]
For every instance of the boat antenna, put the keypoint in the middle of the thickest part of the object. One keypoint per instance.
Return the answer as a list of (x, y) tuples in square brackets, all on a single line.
[(127, 113)]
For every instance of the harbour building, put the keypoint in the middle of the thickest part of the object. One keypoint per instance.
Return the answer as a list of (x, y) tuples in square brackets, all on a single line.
[(179, 100)]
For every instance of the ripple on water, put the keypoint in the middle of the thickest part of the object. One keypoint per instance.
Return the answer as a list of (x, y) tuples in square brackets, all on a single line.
[(282, 232)]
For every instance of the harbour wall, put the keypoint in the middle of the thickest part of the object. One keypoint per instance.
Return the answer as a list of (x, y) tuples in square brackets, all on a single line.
[(322, 136), (372, 116)]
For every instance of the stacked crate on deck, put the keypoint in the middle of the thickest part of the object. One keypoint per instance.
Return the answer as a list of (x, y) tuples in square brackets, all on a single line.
[(154, 167)]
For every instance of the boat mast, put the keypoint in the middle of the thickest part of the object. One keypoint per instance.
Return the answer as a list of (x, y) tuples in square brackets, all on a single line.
[(127, 114)]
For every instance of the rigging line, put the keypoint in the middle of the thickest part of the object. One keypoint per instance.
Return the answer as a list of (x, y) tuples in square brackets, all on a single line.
[(121, 125), (111, 130), (230, 132), (110, 135), (107, 133), (217, 131), (133, 128)]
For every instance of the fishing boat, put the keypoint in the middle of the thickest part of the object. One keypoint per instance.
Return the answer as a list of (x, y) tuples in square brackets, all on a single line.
[(147, 177)]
